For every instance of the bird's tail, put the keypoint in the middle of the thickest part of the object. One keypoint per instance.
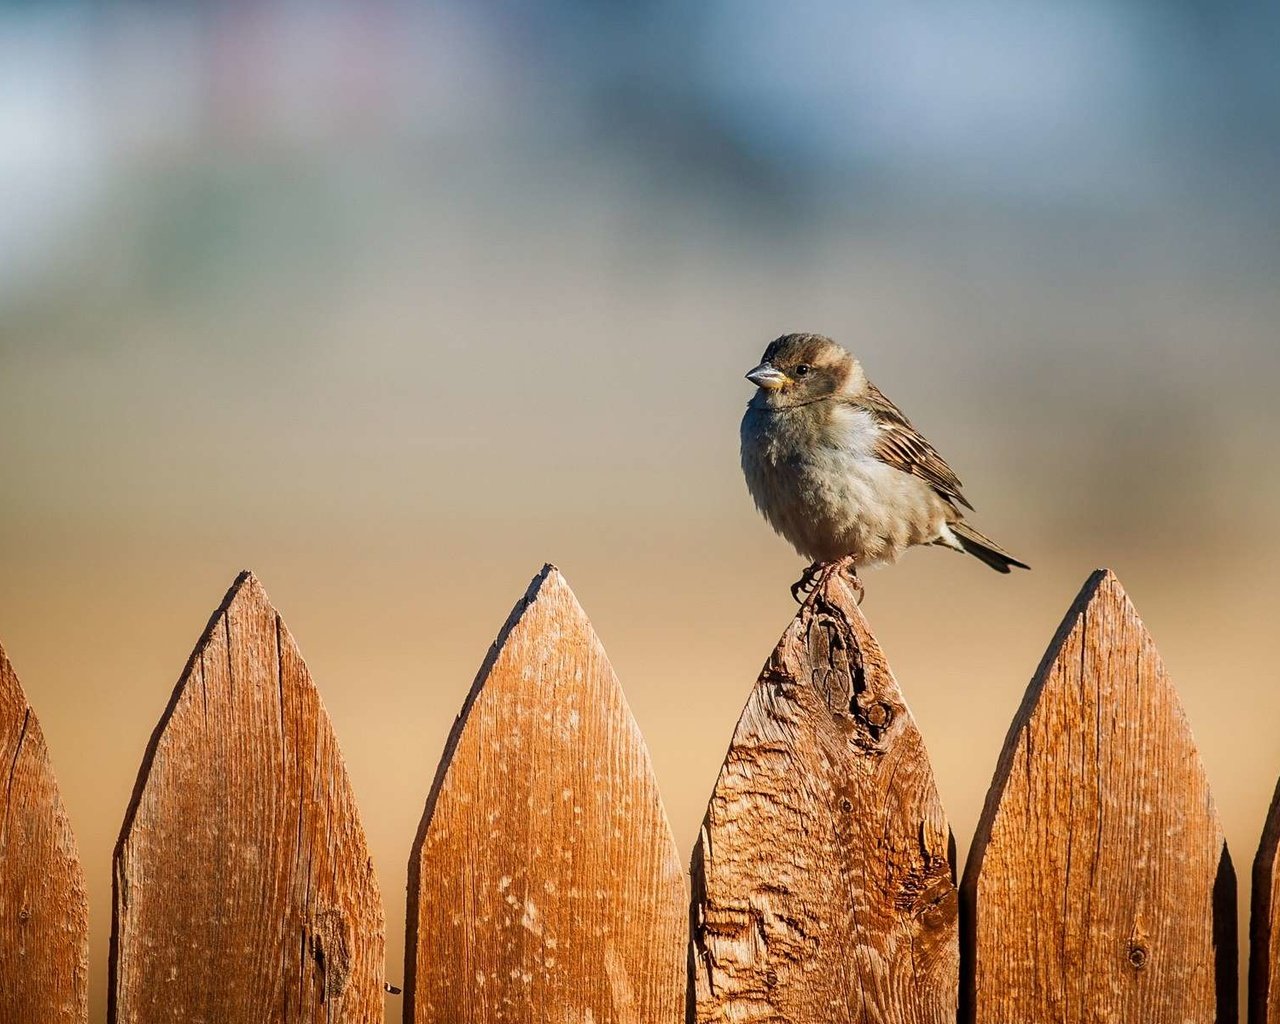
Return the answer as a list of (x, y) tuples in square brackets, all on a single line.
[(985, 548)]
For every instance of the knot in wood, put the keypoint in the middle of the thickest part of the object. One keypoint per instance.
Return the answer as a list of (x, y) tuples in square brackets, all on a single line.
[(927, 891), (879, 714), (1138, 955), (331, 949)]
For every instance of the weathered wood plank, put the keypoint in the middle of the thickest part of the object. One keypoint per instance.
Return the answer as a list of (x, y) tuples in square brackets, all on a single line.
[(1099, 886), (544, 882), (244, 891), (823, 880), (44, 912), (1264, 923)]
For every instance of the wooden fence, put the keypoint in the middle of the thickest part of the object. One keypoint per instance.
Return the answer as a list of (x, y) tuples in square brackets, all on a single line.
[(544, 884)]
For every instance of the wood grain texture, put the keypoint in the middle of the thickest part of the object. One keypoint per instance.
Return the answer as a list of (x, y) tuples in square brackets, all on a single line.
[(544, 883), (1264, 923), (244, 892), (1099, 886), (44, 912), (823, 880)]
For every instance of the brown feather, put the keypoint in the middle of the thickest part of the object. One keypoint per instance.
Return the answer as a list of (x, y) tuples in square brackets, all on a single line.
[(902, 446)]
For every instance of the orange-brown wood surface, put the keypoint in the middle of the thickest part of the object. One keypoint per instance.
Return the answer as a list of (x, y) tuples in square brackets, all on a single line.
[(1264, 924), (823, 883), (244, 892), (544, 883), (1099, 887), (44, 914)]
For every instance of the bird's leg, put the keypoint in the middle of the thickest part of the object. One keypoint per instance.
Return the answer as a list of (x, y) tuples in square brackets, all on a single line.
[(849, 568), (817, 573)]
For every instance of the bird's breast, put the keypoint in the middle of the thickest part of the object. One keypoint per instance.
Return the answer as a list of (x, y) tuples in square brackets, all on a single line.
[(820, 484), (818, 434)]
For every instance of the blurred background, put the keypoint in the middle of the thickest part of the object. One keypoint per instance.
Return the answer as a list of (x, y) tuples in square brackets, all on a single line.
[(391, 303)]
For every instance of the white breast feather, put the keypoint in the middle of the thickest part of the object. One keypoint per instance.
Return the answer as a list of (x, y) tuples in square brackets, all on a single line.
[(858, 431)]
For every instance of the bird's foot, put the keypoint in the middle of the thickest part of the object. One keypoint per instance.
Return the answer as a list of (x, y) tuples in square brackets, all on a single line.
[(804, 586), (817, 574)]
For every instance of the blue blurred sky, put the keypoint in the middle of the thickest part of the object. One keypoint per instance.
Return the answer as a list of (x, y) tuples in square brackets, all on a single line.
[(1096, 108)]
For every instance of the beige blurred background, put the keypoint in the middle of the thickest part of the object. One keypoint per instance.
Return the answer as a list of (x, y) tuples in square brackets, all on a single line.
[(391, 304)]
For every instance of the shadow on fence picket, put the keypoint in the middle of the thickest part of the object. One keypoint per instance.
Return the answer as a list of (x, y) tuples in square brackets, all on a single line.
[(544, 885)]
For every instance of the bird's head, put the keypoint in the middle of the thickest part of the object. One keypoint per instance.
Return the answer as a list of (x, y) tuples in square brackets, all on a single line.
[(797, 369)]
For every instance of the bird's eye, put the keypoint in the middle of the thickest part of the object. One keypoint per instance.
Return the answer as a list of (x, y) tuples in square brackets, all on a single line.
[(802, 370)]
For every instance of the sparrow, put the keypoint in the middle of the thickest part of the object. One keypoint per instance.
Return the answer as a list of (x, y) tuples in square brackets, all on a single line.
[(840, 472)]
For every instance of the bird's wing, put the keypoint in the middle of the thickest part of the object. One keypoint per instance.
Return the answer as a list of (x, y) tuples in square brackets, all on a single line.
[(903, 447)]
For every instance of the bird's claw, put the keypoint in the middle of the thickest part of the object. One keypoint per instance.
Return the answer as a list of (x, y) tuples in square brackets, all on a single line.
[(804, 586), (817, 573)]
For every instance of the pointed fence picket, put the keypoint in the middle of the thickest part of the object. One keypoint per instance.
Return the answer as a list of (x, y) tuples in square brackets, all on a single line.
[(1264, 923), (823, 884), (244, 891), (1099, 886), (44, 913), (544, 886), (544, 882)]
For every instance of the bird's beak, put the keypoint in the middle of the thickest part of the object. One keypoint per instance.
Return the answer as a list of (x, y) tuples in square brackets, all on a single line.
[(765, 376)]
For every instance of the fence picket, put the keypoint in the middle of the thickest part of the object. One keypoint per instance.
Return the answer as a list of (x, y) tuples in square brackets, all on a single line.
[(244, 891), (544, 882), (44, 912), (823, 880), (1264, 923), (1099, 885)]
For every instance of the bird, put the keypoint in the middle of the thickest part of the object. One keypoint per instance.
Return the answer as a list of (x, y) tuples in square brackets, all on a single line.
[(840, 472)]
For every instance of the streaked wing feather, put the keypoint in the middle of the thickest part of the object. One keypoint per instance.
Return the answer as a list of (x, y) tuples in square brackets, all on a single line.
[(902, 446)]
